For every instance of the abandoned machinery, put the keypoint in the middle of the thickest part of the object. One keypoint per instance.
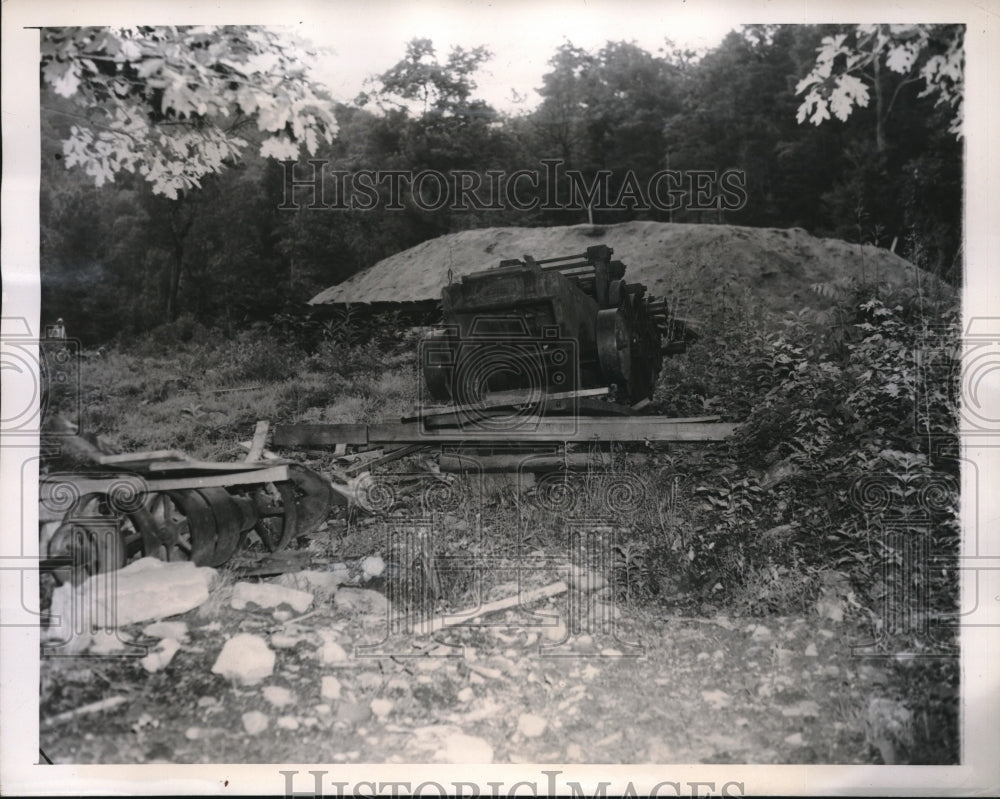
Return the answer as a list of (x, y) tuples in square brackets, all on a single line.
[(553, 325), (164, 505)]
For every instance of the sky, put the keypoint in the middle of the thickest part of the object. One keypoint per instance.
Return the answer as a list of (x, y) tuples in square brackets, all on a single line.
[(368, 39)]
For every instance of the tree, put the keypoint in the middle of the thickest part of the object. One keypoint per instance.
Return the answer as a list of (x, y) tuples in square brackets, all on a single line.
[(167, 102), (439, 89), (849, 63)]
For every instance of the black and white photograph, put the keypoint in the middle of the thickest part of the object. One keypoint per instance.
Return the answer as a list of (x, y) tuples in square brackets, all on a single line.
[(499, 399)]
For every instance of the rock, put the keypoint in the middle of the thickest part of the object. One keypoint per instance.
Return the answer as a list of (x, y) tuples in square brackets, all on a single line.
[(584, 579), (288, 723), (761, 633), (145, 590), (167, 629), (795, 739), (530, 725), (330, 688), (317, 582), (460, 748), (811, 651), (353, 712), (718, 699), (323, 709), (830, 608), (269, 595), (106, 642), (381, 708), (466, 695), (361, 601), (246, 658), (161, 656), (255, 722), (556, 633), (193, 733), (332, 652), (284, 641), (341, 573), (208, 702), (804, 708), (372, 566), (278, 695)]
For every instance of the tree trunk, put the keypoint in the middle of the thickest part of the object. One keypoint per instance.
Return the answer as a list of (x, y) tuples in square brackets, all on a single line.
[(179, 228), (879, 113)]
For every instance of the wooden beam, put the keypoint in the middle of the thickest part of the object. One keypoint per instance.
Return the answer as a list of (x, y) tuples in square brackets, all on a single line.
[(256, 452), (504, 399), (631, 428)]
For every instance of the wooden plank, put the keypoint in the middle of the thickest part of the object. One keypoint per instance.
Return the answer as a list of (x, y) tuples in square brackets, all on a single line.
[(396, 454), (140, 458), (425, 626), (101, 485), (209, 467), (259, 439), (503, 399), (631, 428)]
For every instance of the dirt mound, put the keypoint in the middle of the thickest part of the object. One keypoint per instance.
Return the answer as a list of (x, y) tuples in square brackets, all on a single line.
[(697, 266)]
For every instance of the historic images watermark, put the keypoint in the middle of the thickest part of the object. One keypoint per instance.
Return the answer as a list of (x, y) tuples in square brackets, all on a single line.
[(547, 784), (553, 187)]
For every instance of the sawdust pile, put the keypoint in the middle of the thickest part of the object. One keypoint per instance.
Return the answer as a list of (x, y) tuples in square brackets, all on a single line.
[(695, 266)]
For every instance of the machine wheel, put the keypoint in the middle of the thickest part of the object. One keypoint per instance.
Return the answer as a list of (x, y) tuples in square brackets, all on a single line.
[(277, 515), (91, 540), (614, 342)]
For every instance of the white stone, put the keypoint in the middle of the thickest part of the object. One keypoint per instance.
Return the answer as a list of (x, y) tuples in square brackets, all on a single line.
[(460, 748), (381, 708), (332, 652), (161, 655), (795, 739), (269, 595), (167, 629), (811, 651), (145, 590), (719, 699), (761, 633), (372, 566), (330, 688), (466, 694), (246, 658), (556, 633), (278, 695), (288, 723), (530, 725), (319, 582), (255, 722)]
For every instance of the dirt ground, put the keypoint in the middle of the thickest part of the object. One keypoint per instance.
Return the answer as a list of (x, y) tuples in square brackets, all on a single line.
[(652, 684)]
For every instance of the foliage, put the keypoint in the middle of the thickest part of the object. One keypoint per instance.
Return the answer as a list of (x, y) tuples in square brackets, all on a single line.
[(167, 102), (847, 63)]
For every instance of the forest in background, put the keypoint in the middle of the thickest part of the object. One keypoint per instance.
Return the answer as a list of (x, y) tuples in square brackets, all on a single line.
[(118, 259)]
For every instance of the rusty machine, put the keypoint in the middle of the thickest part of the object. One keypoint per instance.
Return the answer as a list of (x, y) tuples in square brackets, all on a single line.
[(166, 505), (554, 325)]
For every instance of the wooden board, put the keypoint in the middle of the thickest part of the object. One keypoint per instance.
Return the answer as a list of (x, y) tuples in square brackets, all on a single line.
[(632, 428), (503, 399)]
